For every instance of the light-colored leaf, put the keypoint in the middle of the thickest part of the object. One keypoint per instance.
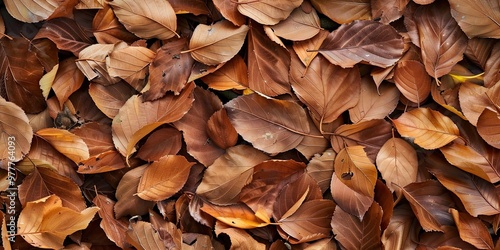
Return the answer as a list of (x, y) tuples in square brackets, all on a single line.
[(92, 62), (229, 10), (354, 169), (142, 235), (66, 142), (488, 126), (267, 12), (477, 18), (67, 80), (128, 203), (342, 11), (308, 49), (402, 232), (130, 64), (374, 103), (115, 229), (350, 201), (412, 80), (233, 75), (473, 101), (429, 128), (30, 11), (320, 168), (303, 23), (216, 43), (237, 215), (15, 131), (397, 162), (240, 239)]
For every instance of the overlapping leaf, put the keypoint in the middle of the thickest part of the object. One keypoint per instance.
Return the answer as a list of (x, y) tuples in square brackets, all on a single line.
[(477, 18), (354, 169), (344, 11), (15, 131), (374, 103), (472, 230), (303, 23), (267, 12)]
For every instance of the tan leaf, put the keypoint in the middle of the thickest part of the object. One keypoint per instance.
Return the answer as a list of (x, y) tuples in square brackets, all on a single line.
[(270, 125), (233, 75), (46, 223), (344, 11), (449, 239), (441, 40), (153, 19), (430, 202), (43, 182), (128, 203), (355, 234), (66, 33), (130, 64), (320, 167), (142, 235), (363, 41), (97, 136), (492, 67), (216, 43), (354, 169), (66, 142), (303, 23), (195, 7), (388, 11), (224, 179), (115, 229), (412, 80), (67, 80), (237, 215), (473, 101), (430, 129), (350, 201), (472, 230), (402, 231), (326, 89), (397, 162), (479, 50), (164, 178), (308, 49), (374, 103), (168, 231), (135, 119), (477, 18), (240, 239), (268, 12), (47, 80), (109, 99), (92, 62), (488, 126), (16, 132), (31, 12), (108, 30)]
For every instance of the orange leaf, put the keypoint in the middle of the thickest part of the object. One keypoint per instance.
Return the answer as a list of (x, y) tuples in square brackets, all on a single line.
[(482, 12), (397, 162), (488, 126), (115, 229), (354, 169), (374, 103), (430, 129), (16, 132), (472, 230), (236, 215), (66, 142), (233, 75)]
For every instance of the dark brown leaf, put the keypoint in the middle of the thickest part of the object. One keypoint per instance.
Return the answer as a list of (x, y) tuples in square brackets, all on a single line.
[(164, 141), (221, 131), (66, 33), (115, 229)]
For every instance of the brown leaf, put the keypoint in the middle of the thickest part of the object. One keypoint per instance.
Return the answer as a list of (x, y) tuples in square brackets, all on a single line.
[(402, 232), (195, 7), (216, 43), (448, 240), (194, 126), (20, 73), (268, 64), (224, 179), (66, 33), (388, 10), (106, 161), (412, 80), (320, 168), (168, 231), (308, 49), (43, 182), (430, 129), (488, 126), (169, 70), (92, 62), (66, 142), (164, 141), (115, 229), (142, 235), (441, 40), (482, 164), (374, 103), (109, 99), (130, 64), (67, 80), (97, 136), (45, 223), (430, 202), (479, 50), (344, 11), (398, 163), (313, 144), (492, 67), (229, 10), (350, 201), (302, 24), (477, 18), (135, 119), (31, 12), (240, 239), (326, 89), (352, 233), (473, 100), (233, 75), (309, 222), (108, 30), (164, 178), (354, 169), (16, 135), (220, 130), (128, 203), (154, 19), (370, 134), (477, 195), (472, 230), (270, 125), (267, 12), (363, 41), (46, 52)]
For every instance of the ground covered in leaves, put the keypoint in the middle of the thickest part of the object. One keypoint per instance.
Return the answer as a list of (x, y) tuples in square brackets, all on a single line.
[(250, 124)]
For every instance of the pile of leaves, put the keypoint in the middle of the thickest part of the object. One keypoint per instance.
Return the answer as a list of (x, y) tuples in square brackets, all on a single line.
[(250, 124)]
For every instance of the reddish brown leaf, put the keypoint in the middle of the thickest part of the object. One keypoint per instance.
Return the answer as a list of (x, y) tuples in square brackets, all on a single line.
[(477, 18), (388, 10), (492, 68), (43, 182), (412, 80), (106, 161), (20, 73), (473, 100), (430, 202), (224, 179), (326, 89), (115, 229), (130, 64), (195, 7), (66, 33), (164, 178), (67, 80), (344, 11), (128, 203), (240, 239), (169, 70), (233, 75), (402, 232), (472, 230), (168, 231), (354, 169), (479, 49), (350, 201), (69, 144), (352, 233), (270, 125), (97, 136), (374, 103), (363, 41), (229, 10), (267, 12), (430, 129), (307, 50), (441, 40), (448, 239), (142, 235), (108, 30), (398, 163), (268, 64), (92, 62), (164, 141), (488, 126), (221, 131)]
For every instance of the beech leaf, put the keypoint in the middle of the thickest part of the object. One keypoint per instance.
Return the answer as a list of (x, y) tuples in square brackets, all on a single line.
[(398, 163), (303, 23), (472, 230), (267, 12), (374, 103), (412, 80), (15, 131), (477, 18), (344, 11), (488, 126), (115, 229), (66, 142), (354, 169)]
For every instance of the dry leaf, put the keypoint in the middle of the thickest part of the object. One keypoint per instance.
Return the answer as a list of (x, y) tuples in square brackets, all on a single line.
[(477, 18), (267, 12), (128, 203), (31, 12), (163, 141), (109, 99), (402, 232), (374, 103), (220, 130), (66, 142), (229, 10), (303, 23), (233, 75), (130, 64), (488, 125), (398, 163), (142, 235), (108, 30), (66, 33), (354, 169), (240, 239), (344, 11), (472, 230), (16, 132), (412, 80), (320, 167), (114, 229), (350, 201)]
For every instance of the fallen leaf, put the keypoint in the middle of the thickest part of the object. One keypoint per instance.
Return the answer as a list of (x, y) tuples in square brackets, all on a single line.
[(344, 11), (16, 132), (130, 64), (31, 12), (267, 12), (128, 203), (350, 201), (402, 231), (163, 141), (388, 11), (303, 23), (67, 80), (66, 33), (320, 168), (240, 239), (374, 103), (354, 169), (229, 10), (398, 163), (220, 130), (477, 18), (308, 49), (108, 30), (233, 75), (45, 222), (115, 229), (487, 125), (412, 80), (472, 230), (109, 99), (66, 142), (142, 235)]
